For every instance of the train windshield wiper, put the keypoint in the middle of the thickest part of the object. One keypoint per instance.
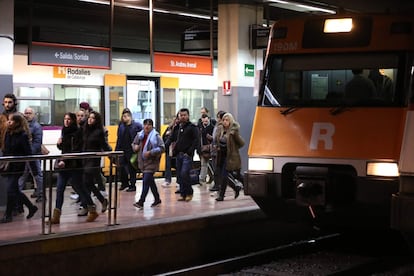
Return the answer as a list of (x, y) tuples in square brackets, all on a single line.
[(337, 110), (289, 110)]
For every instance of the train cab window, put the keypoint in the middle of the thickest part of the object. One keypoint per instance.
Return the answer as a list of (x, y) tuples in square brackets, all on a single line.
[(38, 98), (328, 80)]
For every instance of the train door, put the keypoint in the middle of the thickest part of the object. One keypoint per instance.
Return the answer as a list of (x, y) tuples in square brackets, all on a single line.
[(142, 98)]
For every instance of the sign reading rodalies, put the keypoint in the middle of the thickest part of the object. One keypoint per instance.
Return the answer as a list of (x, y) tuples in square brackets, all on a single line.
[(41, 53)]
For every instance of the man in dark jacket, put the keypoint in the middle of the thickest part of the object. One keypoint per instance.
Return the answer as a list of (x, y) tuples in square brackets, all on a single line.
[(127, 130), (37, 136), (187, 141)]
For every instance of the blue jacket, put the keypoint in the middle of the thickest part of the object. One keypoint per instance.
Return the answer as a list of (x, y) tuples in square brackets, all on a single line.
[(125, 138), (37, 136)]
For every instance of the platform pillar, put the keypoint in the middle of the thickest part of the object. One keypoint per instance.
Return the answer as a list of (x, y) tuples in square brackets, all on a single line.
[(234, 56)]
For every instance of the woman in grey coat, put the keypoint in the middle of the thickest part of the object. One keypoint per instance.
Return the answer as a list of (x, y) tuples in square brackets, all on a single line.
[(149, 146)]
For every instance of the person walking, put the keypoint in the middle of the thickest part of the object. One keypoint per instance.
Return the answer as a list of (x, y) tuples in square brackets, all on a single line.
[(37, 136), (206, 132), (149, 146), (214, 146), (94, 141), (17, 143), (229, 142), (71, 169), (186, 140), (127, 130), (168, 151)]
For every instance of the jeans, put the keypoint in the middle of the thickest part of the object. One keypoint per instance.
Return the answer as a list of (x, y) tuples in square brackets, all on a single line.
[(63, 177), (38, 178), (203, 169), (127, 172), (167, 173), (148, 182), (184, 165)]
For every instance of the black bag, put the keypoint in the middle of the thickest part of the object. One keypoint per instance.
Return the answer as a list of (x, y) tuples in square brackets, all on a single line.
[(195, 176)]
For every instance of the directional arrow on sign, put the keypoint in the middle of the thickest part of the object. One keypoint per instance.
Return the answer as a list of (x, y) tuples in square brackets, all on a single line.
[(249, 70), (56, 55)]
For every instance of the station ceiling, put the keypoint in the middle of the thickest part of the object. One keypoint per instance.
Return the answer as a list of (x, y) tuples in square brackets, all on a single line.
[(85, 23)]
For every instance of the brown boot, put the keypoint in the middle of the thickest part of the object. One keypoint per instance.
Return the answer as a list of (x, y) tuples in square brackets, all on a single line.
[(92, 215), (55, 217)]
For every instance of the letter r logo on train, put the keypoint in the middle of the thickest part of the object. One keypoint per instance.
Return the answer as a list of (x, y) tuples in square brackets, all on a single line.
[(322, 132)]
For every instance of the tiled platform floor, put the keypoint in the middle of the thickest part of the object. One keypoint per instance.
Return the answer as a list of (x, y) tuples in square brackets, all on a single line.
[(21, 229)]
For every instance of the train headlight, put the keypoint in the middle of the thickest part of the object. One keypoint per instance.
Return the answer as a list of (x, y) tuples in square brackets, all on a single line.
[(339, 25), (382, 169), (260, 164)]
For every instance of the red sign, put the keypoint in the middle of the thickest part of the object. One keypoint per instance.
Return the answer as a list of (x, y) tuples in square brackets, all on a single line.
[(226, 88), (182, 64)]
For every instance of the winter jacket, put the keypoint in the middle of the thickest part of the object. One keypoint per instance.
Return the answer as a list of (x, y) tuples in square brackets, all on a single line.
[(153, 144)]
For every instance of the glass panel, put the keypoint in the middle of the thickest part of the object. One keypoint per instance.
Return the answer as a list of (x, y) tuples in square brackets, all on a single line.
[(332, 80), (33, 92), (141, 99), (116, 104), (169, 106), (68, 98), (42, 109), (194, 99)]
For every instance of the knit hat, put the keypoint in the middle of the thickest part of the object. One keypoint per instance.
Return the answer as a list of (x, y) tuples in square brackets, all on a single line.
[(84, 105)]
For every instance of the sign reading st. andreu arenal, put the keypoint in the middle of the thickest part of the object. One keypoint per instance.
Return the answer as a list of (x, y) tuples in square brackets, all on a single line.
[(53, 54)]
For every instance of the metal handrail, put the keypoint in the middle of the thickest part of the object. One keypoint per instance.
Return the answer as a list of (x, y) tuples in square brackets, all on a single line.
[(49, 159)]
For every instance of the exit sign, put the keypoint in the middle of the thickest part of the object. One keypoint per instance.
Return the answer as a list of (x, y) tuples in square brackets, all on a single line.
[(249, 70)]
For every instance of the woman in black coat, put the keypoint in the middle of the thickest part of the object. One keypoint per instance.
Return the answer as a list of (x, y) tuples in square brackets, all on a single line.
[(17, 143)]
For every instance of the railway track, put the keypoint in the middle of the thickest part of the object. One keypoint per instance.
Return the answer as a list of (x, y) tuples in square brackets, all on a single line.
[(332, 254)]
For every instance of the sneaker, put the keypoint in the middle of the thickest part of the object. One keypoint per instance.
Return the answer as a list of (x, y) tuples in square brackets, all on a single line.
[(74, 196), (34, 195), (181, 198), (156, 203), (188, 198), (131, 189), (177, 192), (82, 212), (166, 184), (139, 205)]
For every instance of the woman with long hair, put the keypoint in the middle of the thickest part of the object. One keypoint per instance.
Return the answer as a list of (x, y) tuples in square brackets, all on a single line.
[(229, 142), (94, 141), (17, 143), (71, 169)]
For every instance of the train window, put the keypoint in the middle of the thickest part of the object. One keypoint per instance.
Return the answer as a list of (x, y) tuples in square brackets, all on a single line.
[(67, 99), (38, 98), (116, 104), (194, 99), (326, 80)]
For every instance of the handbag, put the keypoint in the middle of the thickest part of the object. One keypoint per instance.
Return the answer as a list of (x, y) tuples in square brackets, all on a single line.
[(59, 164), (4, 166), (44, 150), (206, 151), (134, 161)]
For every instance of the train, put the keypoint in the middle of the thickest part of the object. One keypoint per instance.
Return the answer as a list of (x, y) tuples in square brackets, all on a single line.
[(54, 90), (324, 151)]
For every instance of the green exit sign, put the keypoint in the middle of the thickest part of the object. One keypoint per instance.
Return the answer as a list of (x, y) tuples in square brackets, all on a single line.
[(249, 70)]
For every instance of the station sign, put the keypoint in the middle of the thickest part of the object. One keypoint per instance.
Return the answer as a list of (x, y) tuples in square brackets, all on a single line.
[(53, 54), (196, 40), (259, 37), (182, 64)]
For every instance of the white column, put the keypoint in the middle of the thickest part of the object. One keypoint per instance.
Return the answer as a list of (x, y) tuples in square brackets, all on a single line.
[(6, 46)]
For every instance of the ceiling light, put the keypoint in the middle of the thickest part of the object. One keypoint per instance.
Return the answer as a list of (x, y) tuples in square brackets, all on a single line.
[(295, 6), (145, 8)]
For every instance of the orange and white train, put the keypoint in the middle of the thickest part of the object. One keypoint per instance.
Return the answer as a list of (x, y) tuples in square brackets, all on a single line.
[(327, 151)]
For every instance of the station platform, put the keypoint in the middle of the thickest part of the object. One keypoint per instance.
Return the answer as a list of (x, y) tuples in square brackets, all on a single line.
[(144, 241), (203, 202)]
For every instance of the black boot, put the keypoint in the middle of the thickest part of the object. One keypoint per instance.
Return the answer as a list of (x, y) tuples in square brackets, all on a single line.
[(11, 203)]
